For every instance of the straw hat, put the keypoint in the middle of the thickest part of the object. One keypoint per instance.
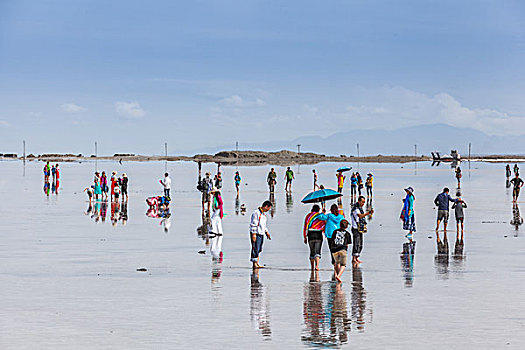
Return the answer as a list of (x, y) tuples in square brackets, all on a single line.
[(409, 190), (114, 172), (124, 174)]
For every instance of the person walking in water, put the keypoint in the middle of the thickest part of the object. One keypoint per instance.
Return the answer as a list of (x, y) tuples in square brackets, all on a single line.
[(316, 186), (216, 233), (442, 200), (124, 187), (313, 235), (369, 183), (104, 185), (407, 214), (272, 180), (166, 183), (259, 229), (47, 172), (340, 181), (459, 213), (517, 182), (237, 180), (289, 177), (340, 240), (508, 174), (359, 182), (353, 187), (358, 216), (458, 176), (516, 169)]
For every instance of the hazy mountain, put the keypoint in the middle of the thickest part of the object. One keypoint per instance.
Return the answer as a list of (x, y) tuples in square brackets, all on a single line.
[(428, 138)]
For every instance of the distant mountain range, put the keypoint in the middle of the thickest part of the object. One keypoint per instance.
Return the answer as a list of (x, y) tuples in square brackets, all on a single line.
[(428, 138)]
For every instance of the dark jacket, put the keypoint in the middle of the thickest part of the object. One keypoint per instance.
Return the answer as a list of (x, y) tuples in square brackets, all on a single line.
[(442, 200)]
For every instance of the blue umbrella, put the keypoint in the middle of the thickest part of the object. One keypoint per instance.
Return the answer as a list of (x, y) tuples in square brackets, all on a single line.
[(343, 169), (321, 196)]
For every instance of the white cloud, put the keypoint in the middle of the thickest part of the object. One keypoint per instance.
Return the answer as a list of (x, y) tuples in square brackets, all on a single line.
[(4, 123), (237, 101), (129, 109), (72, 108)]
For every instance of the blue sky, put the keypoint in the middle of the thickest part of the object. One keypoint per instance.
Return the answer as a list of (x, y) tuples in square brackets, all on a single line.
[(135, 74)]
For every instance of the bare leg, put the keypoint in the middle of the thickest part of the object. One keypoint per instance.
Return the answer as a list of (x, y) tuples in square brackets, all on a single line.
[(437, 226), (312, 264), (445, 226), (317, 264)]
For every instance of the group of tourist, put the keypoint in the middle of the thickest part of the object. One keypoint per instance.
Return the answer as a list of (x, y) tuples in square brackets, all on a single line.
[(101, 187), (51, 178)]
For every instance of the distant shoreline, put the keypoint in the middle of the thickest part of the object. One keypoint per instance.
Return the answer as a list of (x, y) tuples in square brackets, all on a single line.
[(256, 158)]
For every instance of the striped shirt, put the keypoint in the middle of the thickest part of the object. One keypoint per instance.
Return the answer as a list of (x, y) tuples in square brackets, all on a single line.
[(313, 222)]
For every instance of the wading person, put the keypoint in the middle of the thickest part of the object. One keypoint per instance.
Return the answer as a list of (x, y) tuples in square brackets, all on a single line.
[(442, 200), (458, 176), (271, 180), (508, 174), (104, 185), (517, 182), (205, 187), (289, 177), (124, 187), (258, 230), (358, 216), (359, 182), (459, 214), (407, 214), (340, 181), (340, 240), (166, 183), (369, 183), (316, 186), (333, 220), (216, 233), (237, 179), (313, 235), (353, 187)]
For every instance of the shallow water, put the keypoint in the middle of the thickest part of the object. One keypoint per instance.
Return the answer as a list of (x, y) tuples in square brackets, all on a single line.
[(71, 282)]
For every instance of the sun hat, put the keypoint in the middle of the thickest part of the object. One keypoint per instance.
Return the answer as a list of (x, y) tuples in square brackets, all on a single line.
[(124, 174), (409, 190)]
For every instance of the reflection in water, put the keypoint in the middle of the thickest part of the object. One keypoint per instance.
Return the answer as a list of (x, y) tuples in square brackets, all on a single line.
[(441, 258), (47, 187), (459, 256), (124, 213), (407, 262), (289, 202), (325, 310), (517, 220), (104, 210), (202, 230), (237, 205), (274, 206), (259, 307)]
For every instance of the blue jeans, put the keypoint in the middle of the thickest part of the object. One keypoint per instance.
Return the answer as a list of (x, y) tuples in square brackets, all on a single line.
[(256, 247), (167, 192)]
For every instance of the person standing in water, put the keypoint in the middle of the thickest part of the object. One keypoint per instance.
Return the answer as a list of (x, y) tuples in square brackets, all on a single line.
[(272, 180), (516, 169), (315, 180), (166, 183), (124, 187), (47, 172), (289, 177), (369, 183), (353, 187), (216, 233), (313, 235), (237, 179), (340, 181), (358, 216), (218, 180), (442, 200), (359, 182), (104, 185), (517, 182), (407, 214), (508, 174), (259, 229), (458, 176), (340, 240), (459, 213)]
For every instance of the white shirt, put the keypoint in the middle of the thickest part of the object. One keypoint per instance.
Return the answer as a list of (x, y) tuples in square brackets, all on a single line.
[(167, 183), (355, 218), (258, 222)]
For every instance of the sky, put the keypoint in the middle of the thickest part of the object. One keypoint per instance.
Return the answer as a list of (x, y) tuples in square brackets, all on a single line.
[(133, 75)]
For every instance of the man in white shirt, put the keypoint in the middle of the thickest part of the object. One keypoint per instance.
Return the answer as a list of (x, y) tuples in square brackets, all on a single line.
[(258, 230), (358, 216), (167, 184)]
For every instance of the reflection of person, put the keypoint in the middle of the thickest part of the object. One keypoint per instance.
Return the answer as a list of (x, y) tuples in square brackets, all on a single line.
[(313, 312), (517, 182), (124, 213), (271, 179), (358, 298), (258, 230), (407, 214), (337, 312), (442, 200), (289, 177), (407, 261), (259, 307), (441, 258), (517, 220), (313, 235), (289, 202)]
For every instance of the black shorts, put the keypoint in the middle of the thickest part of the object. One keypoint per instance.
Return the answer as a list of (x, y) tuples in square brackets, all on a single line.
[(288, 181), (460, 219)]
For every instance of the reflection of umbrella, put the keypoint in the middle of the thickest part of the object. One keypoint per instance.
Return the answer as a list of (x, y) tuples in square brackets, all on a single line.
[(321, 196), (343, 169)]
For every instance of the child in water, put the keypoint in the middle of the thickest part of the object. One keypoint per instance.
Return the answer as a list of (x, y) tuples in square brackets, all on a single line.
[(340, 240)]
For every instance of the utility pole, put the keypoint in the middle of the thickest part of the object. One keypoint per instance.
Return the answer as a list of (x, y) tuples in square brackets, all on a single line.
[(469, 148), (166, 155), (358, 156), (236, 145), (299, 148), (24, 147), (96, 156), (415, 151)]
